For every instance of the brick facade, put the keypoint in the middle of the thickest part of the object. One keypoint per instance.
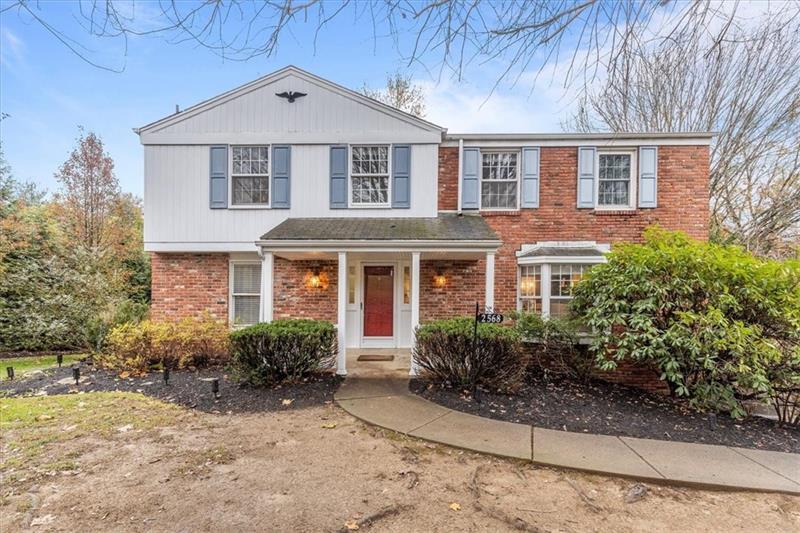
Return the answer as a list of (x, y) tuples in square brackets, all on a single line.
[(682, 205), (189, 285), (465, 281), (293, 298), (448, 178)]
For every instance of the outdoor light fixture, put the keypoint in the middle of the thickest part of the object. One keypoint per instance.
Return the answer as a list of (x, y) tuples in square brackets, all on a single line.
[(76, 373), (166, 375), (10, 371), (215, 387), (439, 280), (315, 280), (59, 359)]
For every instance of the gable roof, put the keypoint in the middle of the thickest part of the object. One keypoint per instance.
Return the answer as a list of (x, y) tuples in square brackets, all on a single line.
[(278, 75)]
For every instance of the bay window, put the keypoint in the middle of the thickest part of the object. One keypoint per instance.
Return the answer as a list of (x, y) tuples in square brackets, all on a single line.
[(549, 271), (369, 175), (250, 175), (245, 292), (499, 180), (563, 279)]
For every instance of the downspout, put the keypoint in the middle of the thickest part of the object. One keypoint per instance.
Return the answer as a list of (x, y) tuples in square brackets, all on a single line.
[(460, 159)]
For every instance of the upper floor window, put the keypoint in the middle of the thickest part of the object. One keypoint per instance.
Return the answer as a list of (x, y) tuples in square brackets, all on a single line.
[(615, 182), (499, 179), (250, 175), (369, 175)]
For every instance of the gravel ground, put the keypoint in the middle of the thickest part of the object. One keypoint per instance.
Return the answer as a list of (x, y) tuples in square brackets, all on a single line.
[(609, 409), (185, 388)]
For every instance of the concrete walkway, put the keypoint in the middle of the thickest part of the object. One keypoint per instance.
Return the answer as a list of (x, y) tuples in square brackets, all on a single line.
[(387, 402)]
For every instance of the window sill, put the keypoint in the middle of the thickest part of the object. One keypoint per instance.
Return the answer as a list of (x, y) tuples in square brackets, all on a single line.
[(500, 212), (251, 206), (615, 212)]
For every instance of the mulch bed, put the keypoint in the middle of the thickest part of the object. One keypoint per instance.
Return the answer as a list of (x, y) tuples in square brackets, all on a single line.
[(608, 409), (185, 388)]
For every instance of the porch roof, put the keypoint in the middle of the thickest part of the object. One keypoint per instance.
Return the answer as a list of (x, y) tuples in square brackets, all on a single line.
[(452, 228)]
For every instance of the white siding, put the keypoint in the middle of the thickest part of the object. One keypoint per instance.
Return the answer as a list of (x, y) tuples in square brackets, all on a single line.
[(176, 204), (325, 116)]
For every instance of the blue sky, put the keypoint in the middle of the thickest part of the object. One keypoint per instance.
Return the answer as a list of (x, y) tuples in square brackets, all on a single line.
[(48, 91)]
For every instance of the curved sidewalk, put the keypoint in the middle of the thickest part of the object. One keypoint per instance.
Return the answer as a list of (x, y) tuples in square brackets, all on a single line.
[(388, 403)]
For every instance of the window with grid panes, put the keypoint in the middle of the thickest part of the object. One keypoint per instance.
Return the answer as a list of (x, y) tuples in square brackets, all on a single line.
[(369, 175), (499, 180), (250, 175), (614, 180)]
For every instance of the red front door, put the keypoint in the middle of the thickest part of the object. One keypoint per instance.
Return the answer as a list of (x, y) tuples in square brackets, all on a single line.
[(378, 301)]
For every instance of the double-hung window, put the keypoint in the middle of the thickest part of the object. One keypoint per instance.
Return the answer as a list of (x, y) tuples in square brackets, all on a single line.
[(563, 278), (530, 288), (245, 292), (369, 175), (615, 183), (250, 175), (499, 180)]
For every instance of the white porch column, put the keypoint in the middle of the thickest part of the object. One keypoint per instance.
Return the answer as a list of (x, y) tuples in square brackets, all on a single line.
[(341, 315), (265, 309), (414, 306), (489, 281)]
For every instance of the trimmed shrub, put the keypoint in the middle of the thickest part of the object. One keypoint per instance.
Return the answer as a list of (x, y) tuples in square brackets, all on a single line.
[(721, 325), (555, 346), (446, 353), (283, 350), (136, 347)]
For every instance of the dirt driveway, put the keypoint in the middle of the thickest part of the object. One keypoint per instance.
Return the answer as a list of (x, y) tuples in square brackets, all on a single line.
[(318, 469)]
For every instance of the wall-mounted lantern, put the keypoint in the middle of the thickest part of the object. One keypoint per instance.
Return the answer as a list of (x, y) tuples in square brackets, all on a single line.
[(316, 279), (439, 280)]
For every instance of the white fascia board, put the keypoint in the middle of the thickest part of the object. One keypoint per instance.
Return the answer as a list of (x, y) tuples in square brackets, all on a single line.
[(200, 247), (499, 140), (377, 246), (361, 137), (278, 75)]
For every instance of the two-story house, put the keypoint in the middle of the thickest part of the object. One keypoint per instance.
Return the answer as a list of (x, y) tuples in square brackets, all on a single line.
[(292, 196)]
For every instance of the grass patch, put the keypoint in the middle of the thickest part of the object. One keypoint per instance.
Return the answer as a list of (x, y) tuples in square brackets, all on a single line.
[(32, 427), (23, 365)]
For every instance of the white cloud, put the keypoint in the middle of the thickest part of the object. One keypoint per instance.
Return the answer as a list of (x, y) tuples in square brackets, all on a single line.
[(12, 46)]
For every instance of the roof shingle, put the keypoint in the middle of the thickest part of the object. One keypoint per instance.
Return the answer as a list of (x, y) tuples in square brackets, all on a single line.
[(445, 227)]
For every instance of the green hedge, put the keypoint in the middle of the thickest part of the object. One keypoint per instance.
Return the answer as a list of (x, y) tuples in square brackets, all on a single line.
[(283, 350), (445, 352)]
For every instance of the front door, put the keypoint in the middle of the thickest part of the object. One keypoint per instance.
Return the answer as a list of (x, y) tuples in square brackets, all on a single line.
[(378, 301)]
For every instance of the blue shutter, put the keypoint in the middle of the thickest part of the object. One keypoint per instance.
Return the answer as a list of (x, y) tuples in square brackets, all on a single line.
[(338, 177), (469, 178), (281, 172), (530, 177), (218, 178), (648, 176), (586, 172), (401, 177)]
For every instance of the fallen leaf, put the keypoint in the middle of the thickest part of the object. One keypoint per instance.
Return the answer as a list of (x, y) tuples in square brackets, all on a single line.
[(41, 418), (352, 525), (124, 375), (329, 426), (287, 402), (455, 506)]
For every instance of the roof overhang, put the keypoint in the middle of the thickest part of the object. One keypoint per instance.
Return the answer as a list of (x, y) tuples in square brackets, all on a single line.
[(575, 252), (374, 245), (575, 139)]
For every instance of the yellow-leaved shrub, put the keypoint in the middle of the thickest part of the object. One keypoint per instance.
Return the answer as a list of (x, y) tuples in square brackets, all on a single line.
[(136, 347)]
